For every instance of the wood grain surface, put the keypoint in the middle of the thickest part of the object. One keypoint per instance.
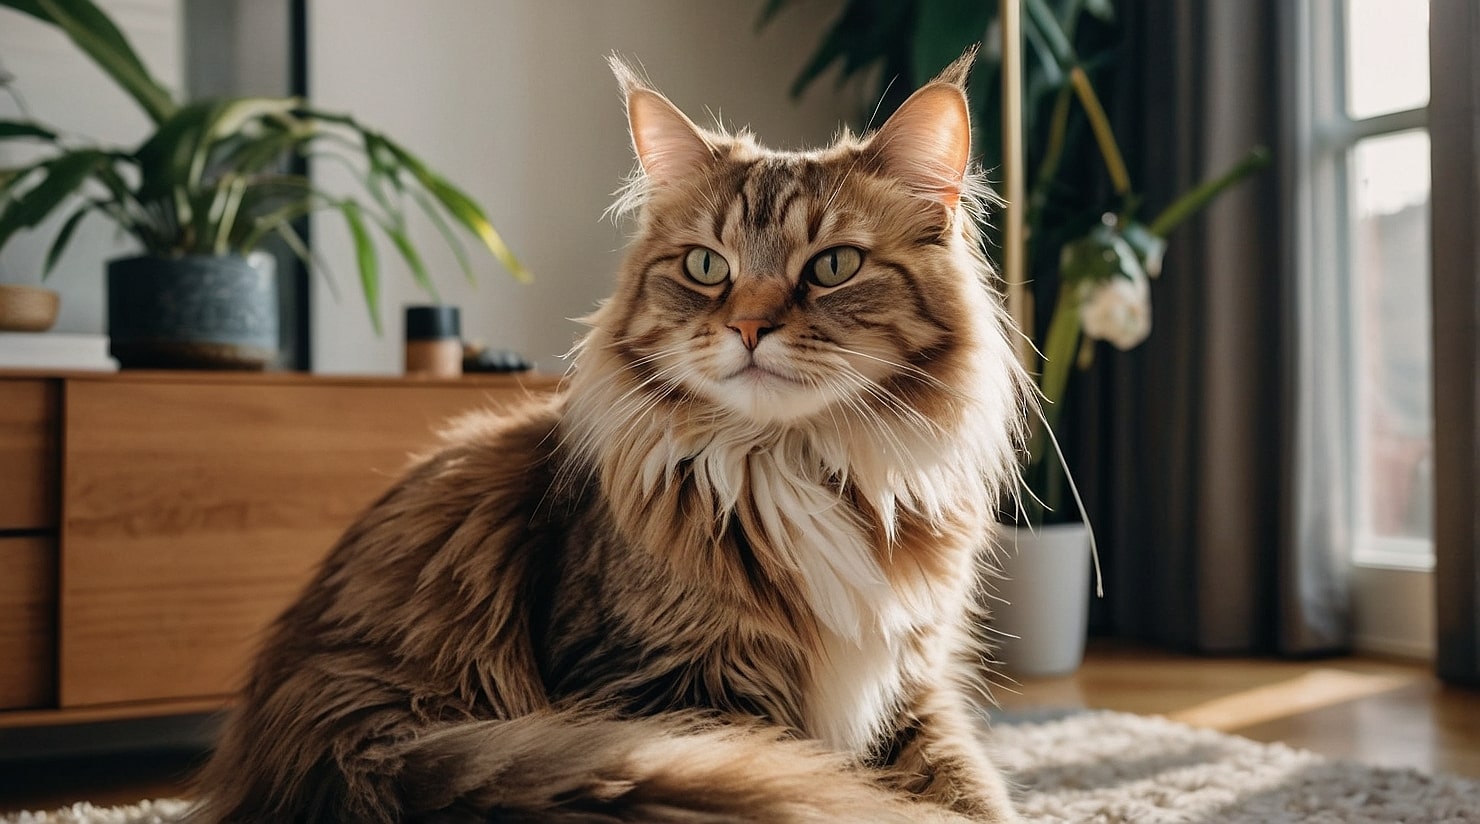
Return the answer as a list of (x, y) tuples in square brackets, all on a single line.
[(28, 453), (28, 601), (195, 511)]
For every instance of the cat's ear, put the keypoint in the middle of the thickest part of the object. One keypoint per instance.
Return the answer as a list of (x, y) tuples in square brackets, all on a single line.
[(669, 146), (926, 144)]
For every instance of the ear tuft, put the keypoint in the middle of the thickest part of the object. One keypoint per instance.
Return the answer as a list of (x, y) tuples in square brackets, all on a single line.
[(927, 143), (959, 70), (627, 77), (669, 146)]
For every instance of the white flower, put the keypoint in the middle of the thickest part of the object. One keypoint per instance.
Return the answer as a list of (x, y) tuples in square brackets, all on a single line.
[(1117, 309)]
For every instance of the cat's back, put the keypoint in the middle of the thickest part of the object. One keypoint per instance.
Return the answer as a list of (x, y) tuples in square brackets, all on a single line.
[(425, 595), (434, 572)]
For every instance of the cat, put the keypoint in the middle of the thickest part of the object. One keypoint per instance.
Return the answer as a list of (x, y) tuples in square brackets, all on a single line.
[(726, 573)]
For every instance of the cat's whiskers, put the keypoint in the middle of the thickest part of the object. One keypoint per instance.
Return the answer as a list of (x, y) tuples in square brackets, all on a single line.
[(642, 381), (907, 368), (646, 391), (891, 402), (867, 416)]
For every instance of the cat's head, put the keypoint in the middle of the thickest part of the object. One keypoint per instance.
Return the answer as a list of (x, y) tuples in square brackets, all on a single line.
[(778, 287)]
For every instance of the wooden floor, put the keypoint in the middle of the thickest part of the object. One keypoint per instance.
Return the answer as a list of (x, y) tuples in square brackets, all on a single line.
[(1380, 712), (1375, 711)]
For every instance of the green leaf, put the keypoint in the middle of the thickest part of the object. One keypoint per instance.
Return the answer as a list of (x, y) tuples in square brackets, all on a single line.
[(1041, 17), (462, 209), (365, 255), (1101, 9), (412, 258), (310, 260), (63, 238), (164, 159), (173, 160), (1053, 75), (1149, 247), (65, 176), (224, 216), (95, 34), (275, 200), (261, 152), (467, 212), (1098, 256), (25, 128), (453, 242), (228, 117), (11, 179), (866, 32)]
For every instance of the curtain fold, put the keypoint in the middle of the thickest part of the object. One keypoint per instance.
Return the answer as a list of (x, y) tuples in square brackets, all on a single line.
[(1454, 113), (1218, 526)]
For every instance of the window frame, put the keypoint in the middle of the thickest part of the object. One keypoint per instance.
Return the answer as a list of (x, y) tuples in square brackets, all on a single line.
[(1331, 137)]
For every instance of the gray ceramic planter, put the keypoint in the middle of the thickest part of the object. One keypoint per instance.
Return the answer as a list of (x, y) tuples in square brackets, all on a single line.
[(196, 312)]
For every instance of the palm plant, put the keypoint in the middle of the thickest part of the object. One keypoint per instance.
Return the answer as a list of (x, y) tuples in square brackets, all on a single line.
[(211, 179)]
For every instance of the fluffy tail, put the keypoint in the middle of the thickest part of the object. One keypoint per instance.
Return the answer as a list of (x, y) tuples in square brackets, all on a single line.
[(554, 768), (549, 768)]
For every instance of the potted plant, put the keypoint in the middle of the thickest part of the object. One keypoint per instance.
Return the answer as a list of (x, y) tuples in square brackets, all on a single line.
[(204, 191), (1090, 256)]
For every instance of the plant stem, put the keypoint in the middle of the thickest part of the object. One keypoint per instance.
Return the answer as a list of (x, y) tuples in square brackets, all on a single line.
[(1184, 206), (1053, 154), (1104, 135)]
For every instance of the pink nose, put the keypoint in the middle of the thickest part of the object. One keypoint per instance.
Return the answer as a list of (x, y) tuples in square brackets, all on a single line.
[(751, 330)]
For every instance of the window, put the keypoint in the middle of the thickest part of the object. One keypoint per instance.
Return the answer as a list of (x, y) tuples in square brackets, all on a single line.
[(1371, 137)]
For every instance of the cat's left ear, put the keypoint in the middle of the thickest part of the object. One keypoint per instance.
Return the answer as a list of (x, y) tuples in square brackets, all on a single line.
[(669, 146), (926, 144)]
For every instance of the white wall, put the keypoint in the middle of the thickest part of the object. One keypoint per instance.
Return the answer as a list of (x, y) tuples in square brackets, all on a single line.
[(66, 91), (512, 100)]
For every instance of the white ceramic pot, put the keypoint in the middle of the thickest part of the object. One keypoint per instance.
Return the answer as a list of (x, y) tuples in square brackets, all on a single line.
[(1045, 584)]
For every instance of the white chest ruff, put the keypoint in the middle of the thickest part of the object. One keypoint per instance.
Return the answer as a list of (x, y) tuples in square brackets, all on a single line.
[(856, 678), (855, 688)]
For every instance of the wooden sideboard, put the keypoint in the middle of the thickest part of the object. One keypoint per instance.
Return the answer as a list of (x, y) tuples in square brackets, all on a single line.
[(152, 523)]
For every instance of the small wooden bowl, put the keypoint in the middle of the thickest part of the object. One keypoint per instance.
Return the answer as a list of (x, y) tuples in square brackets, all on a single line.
[(27, 308)]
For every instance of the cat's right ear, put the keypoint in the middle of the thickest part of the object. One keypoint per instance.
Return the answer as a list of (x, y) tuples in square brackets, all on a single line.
[(669, 146)]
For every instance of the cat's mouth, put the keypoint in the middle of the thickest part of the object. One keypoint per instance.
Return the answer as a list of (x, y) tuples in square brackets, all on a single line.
[(755, 373)]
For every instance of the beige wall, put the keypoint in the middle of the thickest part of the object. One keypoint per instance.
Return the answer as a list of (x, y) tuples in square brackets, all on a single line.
[(513, 101)]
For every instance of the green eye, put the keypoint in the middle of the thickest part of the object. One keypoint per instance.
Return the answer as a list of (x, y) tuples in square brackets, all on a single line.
[(835, 265), (705, 266)]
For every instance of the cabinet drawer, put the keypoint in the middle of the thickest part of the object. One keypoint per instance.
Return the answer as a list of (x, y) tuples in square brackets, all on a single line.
[(28, 608), (196, 512), (28, 453)]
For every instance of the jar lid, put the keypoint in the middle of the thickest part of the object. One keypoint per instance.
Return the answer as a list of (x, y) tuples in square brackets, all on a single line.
[(432, 322)]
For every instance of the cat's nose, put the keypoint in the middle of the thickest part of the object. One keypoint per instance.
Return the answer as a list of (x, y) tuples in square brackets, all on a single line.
[(751, 330)]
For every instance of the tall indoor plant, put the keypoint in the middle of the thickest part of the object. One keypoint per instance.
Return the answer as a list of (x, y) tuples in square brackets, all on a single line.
[(1090, 255), (205, 190)]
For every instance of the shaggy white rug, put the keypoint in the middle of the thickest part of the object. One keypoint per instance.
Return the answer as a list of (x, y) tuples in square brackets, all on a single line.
[(1113, 768)]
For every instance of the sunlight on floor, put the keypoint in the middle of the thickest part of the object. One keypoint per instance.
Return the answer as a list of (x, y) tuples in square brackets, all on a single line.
[(1304, 693)]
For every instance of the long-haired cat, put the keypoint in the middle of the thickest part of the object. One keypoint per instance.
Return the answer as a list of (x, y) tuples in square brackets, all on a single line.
[(726, 575)]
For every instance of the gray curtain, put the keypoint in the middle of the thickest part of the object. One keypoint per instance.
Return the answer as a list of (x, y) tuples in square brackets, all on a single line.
[(1217, 528), (1454, 125)]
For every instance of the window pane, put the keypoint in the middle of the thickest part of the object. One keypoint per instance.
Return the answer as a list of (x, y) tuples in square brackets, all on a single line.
[(1387, 56), (1390, 270)]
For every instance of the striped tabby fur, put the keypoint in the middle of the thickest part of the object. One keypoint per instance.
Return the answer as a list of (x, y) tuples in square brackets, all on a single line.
[(726, 575)]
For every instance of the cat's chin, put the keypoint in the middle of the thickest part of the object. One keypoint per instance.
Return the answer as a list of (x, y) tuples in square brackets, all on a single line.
[(767, 396)]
